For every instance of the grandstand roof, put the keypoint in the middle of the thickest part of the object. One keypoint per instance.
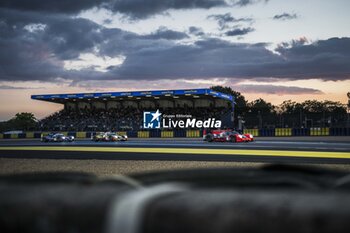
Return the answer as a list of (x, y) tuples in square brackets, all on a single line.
[(186, 93)]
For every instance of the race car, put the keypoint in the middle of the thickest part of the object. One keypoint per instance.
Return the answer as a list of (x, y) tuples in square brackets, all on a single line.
[(109, 137), (57, 137), (227, 136)]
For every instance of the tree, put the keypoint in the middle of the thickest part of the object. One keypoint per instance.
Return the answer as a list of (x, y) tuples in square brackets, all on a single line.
[(261, 106), (241, 103), (22, 121)]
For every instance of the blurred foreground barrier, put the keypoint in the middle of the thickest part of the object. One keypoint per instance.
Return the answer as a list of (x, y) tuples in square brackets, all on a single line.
[(254, 132), (283, 132), (319, 131)]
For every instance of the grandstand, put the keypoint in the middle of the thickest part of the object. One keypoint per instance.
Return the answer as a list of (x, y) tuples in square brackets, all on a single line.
[(124, 110)]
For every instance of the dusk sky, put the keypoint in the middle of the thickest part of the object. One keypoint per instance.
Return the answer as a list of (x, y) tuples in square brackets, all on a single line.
[(273, 49)]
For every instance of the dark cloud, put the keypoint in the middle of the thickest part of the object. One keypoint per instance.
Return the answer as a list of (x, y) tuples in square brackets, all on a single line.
[(6, 87), (141, 9), (239, 31), (248, 2), (279, 90), (53, 6), (285, 16), (35, 46), (132, 9), (197, 31), (224, 20), (208, 58), (165, 33)]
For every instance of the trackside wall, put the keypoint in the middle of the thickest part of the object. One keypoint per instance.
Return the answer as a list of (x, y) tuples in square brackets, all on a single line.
[(178, 133)]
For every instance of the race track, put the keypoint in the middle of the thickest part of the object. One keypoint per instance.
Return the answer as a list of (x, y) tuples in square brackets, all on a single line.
[(182, 149)]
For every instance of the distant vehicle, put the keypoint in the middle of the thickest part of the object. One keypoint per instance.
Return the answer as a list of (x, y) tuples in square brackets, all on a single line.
[(57, 137), (109, 137), (227, 136)]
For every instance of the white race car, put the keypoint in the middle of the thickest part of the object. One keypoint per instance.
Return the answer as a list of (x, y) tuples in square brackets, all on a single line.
[(109, 137), (57, 137)]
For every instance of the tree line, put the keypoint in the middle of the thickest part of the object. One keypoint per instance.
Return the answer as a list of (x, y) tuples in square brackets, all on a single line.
[(311, 113)]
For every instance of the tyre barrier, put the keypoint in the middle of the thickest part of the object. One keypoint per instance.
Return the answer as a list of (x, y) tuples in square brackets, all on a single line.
[(193, 134), (143, 134), (300, 132), (283, 132), (277, 132), (254, 132), (167, 134), (319, 131), (339, 131)]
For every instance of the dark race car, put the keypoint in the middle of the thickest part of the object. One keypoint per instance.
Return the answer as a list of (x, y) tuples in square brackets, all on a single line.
[(109, 137), (57, 137), (227, 136)]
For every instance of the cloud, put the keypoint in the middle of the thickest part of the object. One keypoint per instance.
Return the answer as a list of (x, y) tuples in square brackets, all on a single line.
[(165, 33), (7, 87), (239, 31), (248, 2), (224, 20), (279, 90), (197, 31), (132, 9), (141, 9), (51, 6), (285, 16), (41, 51)]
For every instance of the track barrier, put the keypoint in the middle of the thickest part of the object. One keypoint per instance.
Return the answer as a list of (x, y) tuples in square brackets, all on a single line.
[(81, 135), (254, 132), (167, 134), (143, 134), (193, 134), (283, 132), (177, 133), (319, 131), (29, 135), (267, 132)]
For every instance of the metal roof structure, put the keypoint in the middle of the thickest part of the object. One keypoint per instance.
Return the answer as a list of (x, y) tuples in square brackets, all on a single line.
[(143, 95)]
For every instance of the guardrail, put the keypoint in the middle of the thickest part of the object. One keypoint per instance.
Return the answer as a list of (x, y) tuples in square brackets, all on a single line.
[(277, 132)]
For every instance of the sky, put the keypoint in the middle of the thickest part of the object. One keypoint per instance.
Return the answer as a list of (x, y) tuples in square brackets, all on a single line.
[(271, 49)]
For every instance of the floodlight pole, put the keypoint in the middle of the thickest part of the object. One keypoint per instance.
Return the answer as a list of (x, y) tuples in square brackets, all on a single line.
[(348, 111), (233, 113)]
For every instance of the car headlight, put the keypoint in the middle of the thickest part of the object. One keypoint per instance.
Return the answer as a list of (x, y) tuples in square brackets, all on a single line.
[(251, 136), (125, 136)]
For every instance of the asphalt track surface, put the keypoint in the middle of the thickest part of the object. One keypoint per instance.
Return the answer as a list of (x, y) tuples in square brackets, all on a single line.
[(277, 151)]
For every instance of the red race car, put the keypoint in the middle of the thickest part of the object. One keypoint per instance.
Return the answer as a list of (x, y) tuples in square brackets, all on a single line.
[(227, 136)]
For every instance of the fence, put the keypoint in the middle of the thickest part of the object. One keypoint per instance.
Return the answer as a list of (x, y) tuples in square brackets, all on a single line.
[(277, 132)]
